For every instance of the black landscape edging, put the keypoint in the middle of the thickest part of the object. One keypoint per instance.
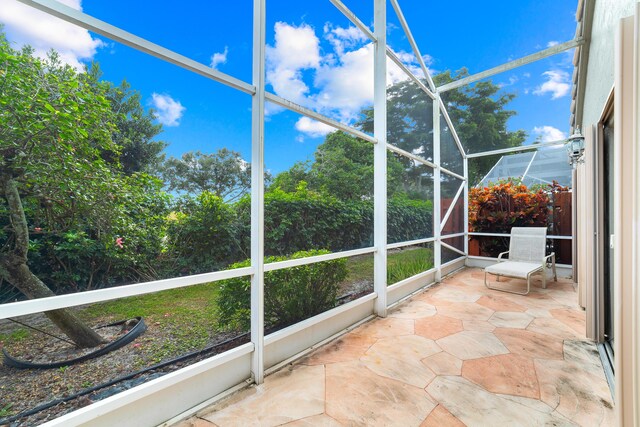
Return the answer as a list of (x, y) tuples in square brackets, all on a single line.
[(134, 333), (110, 383)]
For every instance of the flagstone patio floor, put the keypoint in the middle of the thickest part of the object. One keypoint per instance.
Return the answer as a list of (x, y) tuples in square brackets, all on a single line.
[(456, 354)]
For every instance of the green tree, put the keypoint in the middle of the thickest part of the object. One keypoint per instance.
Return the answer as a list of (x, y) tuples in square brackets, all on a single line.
[(135, 129), (480, 115), (342, 168), (202, 235), (478, 112), (64, 197), (223, 173), (47, 112)]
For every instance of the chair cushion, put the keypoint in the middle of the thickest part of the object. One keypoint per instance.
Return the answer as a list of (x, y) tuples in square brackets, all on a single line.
[(514, 268)]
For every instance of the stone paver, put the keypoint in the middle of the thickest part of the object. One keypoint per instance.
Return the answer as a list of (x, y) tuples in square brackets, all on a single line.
[(530, 344), (444, 364), (440, 417), (438, 326), (400, 358), (457, 354), (508, 319), (506, 374), (467, 345)]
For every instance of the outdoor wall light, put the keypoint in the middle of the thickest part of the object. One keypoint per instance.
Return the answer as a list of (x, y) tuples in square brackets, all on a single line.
[(575, 148)]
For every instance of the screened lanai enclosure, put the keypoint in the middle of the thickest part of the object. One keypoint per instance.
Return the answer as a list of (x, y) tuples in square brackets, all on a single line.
[(248, 195)]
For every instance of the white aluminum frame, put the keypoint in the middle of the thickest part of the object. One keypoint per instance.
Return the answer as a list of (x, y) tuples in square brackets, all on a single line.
[(437, 250), (257, 190), (517, 149), (552, 237), (284, 342), (553, 50), (456, 138), (354, 19), (412, 41), (444, 220), (380, 157)]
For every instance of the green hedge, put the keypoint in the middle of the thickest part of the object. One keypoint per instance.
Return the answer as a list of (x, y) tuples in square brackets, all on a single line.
[(305, 220), (290, 295), (192, 235)]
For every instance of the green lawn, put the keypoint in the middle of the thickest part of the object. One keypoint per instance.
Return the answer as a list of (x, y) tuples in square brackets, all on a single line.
[(188, 317), (400, 265)]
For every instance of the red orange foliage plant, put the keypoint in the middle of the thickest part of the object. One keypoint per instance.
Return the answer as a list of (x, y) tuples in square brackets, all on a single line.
[(507, 204), (504, 205)]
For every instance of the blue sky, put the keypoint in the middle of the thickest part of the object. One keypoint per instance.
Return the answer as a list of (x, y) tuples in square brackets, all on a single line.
[(315, 58)]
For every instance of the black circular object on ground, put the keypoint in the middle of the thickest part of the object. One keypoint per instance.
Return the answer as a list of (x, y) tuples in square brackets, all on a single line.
[(134, 333)]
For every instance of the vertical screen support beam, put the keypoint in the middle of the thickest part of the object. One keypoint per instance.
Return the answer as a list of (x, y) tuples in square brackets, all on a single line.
[(437, 247), (465, 165), (257, 192), (380, 157)]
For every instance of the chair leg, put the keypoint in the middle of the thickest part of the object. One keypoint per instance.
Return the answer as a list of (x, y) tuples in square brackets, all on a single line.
[(544, 276), (553, 265), (507, 290)]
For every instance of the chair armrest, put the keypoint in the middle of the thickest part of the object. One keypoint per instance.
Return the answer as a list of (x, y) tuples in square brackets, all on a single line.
[(551, 258), (501, 254)]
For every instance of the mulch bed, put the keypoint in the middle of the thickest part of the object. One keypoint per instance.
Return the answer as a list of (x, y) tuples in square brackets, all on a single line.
[(24, 389)]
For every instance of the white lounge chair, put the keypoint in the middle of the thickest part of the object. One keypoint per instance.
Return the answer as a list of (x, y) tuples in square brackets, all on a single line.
[(527, 256)]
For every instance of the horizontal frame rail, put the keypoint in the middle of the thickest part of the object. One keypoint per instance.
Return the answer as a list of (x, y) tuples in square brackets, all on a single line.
[(317, 258), (474, 233), (419, 159), (40, 305), (448, 172), (404, 153), (451, 236), (517, 149), (410, 243), (271, 97), (553, 50), (90, 23)]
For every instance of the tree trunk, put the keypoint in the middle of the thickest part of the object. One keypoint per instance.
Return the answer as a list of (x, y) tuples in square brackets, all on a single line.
[(13, 268)]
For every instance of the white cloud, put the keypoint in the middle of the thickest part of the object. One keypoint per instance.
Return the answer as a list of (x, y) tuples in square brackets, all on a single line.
[(552, 43), (347, 85), (337, 82), (549, 133), (343, 38), (557, 84), (295, 49), (219, 58), (168, 110), (313, 128), (25, 25), (512, 80)]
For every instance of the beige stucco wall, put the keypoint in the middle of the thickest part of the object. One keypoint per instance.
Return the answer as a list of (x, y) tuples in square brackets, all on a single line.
[(605, 69), (600, 70)]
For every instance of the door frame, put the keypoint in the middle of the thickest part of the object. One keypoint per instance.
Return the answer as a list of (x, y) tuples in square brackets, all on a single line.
[(602, 240)]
